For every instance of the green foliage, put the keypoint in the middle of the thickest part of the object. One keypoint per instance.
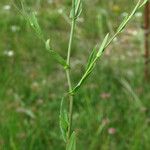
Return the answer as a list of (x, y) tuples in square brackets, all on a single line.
[(104, 45), (92, 57), (77, 9), (30, 17), (56, 55), (72, 142), (28, 83), (63, 120), (34, 24), (91, 62)]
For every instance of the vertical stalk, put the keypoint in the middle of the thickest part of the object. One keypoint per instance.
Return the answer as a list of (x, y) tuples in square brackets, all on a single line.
[(68, 70), (146, 43)]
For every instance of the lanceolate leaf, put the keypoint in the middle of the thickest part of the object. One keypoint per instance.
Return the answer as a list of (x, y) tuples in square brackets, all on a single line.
[(72, 142), (31, 18), (84, 77), (91, 63), (103, 45), (35, 25), (123, 24), (78, 9), (63, 120), (92, 56), (55, 55)]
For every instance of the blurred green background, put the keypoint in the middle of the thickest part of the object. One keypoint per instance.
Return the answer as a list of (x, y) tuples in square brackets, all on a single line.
[(112, 109)]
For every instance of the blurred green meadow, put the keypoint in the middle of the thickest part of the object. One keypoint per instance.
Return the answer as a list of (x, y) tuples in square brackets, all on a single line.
[(112, 109)]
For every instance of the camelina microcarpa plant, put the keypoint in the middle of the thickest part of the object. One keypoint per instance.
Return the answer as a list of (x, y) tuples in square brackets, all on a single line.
[(65, 117)]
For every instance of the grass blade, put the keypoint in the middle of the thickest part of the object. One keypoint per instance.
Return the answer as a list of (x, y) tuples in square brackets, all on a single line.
[(130, 90)]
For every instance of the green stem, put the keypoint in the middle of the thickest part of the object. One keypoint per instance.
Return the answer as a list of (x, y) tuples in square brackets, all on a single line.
[(68, 71)]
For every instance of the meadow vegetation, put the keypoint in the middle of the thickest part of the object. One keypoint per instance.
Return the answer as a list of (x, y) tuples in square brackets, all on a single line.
[(111, 110)]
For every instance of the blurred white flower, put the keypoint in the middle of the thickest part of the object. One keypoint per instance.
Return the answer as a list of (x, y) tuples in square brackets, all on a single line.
[(60, 10), (6, 7), (9, 53), (138, 14), (15, 28), (124, 14)]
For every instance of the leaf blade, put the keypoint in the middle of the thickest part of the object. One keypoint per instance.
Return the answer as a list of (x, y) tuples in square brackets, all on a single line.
[(56, 55), (72, 142), (103, 46), (63, 120)]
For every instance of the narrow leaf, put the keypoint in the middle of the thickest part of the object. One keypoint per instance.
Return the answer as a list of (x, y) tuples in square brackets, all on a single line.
[(103, 45), (72, 142), (123, 24), (91, 63), (56, 55), (91, 57), (84, 77), (144, 2), (78, 9), (63, 120), (130, 90), (30, 17)]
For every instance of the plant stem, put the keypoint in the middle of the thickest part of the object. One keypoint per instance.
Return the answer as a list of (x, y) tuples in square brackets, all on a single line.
[(68, 71)]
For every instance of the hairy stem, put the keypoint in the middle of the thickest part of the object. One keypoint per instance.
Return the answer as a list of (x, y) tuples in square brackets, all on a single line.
[(68, 70)]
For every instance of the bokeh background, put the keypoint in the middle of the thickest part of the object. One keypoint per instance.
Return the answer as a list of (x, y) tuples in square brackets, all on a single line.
[(112, 109)]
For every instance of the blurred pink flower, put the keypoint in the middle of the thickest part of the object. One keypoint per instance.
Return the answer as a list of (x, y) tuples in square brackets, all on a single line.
[(111, 130)]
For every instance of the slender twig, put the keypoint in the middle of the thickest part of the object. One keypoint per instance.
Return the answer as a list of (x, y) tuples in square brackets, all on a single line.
[(68, 70)]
